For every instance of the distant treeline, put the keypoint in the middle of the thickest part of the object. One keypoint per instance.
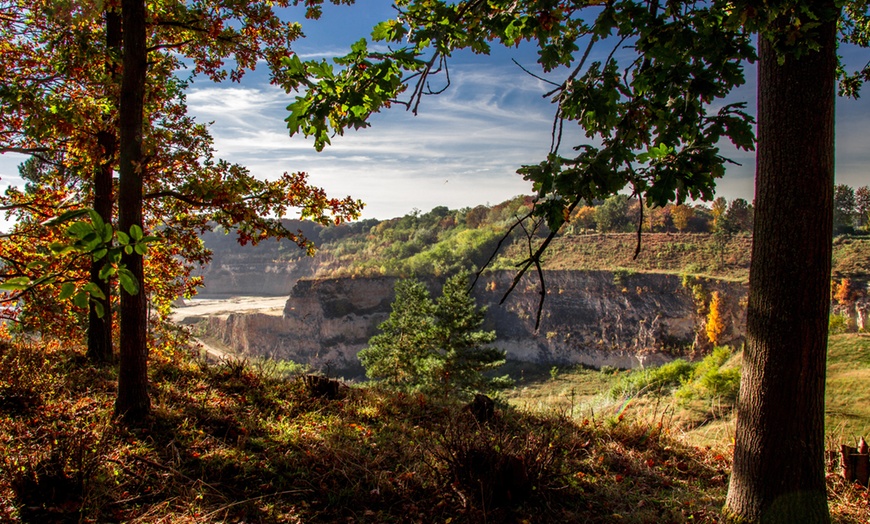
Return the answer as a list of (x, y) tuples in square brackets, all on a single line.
[(443, 240)]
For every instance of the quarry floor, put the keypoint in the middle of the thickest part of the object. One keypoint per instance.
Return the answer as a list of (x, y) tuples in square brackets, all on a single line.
[(223, 306)]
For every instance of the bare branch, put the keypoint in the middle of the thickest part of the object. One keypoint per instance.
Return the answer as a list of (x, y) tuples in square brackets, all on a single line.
[(533, 75)]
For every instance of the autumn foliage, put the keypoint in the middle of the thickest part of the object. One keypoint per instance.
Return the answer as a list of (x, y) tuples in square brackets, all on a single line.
[(715, 319)]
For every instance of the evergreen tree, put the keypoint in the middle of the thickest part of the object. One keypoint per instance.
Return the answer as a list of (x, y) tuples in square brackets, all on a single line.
[(434, 346), (398, 354), (463, 354)]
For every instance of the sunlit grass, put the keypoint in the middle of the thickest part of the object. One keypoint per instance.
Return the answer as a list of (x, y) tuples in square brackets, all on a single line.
[(232, 443)]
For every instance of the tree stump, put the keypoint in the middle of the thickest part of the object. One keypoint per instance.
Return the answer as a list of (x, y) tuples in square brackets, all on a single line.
[(323, 387), (482, 408), (855, 463)]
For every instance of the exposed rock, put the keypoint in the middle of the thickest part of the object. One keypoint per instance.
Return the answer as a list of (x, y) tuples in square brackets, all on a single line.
[(595, 318), (249, 273)]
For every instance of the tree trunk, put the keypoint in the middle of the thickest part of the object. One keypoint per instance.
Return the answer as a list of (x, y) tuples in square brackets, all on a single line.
[(778, 474), (133, 403), (100, 328)]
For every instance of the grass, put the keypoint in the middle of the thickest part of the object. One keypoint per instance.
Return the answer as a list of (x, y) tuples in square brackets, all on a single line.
[(847, 407), (707, 421), (234, 443)]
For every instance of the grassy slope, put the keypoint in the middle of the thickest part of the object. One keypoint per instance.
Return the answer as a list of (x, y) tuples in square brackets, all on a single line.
[(583, 393), (847, 407), (229, 443)]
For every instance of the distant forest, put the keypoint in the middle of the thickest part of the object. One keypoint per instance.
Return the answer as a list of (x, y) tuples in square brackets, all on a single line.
[(443, 241)]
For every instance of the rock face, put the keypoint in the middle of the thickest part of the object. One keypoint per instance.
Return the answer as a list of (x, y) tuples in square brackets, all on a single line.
[(594, 318), (253, 274)]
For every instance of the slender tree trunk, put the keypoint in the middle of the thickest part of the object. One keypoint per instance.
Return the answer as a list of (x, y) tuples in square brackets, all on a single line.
[(133, 403), (100, 328), (778, 474)]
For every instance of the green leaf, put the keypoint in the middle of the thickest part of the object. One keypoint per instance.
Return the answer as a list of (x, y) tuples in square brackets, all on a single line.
[(128, 249), (107, 233), (136, 232), (141, 249), (99, 309), (360, 46), (96, 219), (94, 290), (128, 281), (80, 230), (15, 284), (81, 299), (123, 238), (100, 253), (106, 272), (65, 217), (66, 291)]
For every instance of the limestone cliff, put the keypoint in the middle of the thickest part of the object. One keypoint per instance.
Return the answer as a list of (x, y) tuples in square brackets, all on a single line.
[(249, 273), (591, 317)]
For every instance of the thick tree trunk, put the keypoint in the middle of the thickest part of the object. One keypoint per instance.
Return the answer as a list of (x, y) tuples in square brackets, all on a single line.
[(100, 328), (778, 473), (133, 403)]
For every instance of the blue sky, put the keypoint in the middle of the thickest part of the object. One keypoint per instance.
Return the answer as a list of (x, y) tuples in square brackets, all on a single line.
[(462, 149)]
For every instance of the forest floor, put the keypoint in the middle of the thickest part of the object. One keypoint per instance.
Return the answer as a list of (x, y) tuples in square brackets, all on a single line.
[(232, 442)]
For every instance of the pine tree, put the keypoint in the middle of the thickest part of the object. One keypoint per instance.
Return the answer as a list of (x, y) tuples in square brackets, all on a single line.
[(433, 346), (398, 354), (461, 344)]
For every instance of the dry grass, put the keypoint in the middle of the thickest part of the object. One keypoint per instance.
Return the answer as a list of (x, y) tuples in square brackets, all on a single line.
[(230, 443)]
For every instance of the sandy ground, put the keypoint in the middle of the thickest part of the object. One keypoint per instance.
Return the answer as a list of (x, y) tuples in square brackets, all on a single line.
[(212, 307)]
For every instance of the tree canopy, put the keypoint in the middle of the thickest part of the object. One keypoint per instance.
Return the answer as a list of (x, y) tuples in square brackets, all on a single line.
[(653, 124), (68, 101)]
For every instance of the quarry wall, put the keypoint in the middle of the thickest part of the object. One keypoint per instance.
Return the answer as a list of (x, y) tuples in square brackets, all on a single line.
[(595, 318)]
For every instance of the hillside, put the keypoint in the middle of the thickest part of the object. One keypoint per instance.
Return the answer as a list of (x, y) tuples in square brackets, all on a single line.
[(237, 443), (442, 241)]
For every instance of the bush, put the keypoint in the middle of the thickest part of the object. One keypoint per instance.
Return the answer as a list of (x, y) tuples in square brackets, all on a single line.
[(710, 381), (838, 324), (652, 381)]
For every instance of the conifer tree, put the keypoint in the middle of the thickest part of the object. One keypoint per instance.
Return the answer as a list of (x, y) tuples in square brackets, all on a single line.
[(434, 346), (461, 344), (397, 354)]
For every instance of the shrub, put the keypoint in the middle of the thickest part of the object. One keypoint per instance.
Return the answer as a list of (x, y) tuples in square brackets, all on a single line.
[(838, 324), (710, 381), (652, 381)]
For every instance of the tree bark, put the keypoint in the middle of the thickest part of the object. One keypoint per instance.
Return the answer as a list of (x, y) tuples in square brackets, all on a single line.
[(778, 473), (100, 328), (133, 403)]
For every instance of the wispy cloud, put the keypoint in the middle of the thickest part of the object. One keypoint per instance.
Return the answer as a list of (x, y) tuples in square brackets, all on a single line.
[(463, 148)]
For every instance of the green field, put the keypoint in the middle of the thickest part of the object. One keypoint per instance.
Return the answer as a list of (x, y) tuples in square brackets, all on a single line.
[(580, 393)]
